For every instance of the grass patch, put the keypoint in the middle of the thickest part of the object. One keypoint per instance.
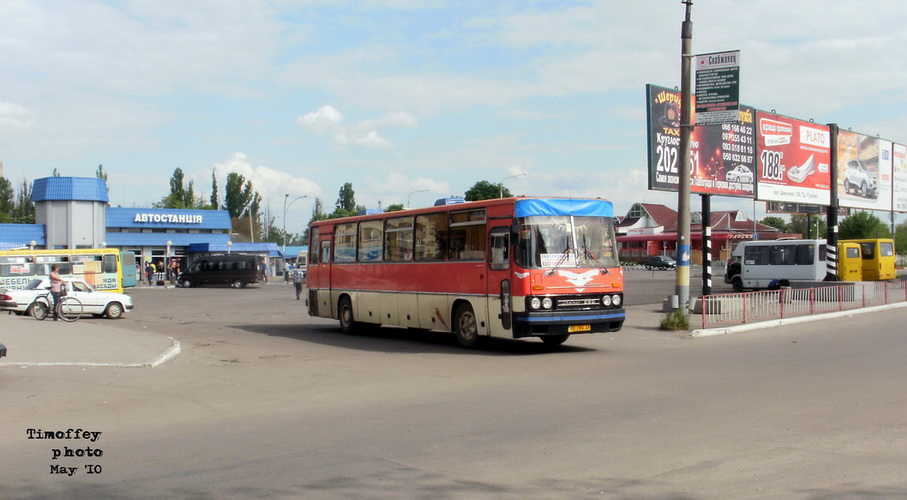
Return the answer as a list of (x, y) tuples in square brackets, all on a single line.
[(675, 320)]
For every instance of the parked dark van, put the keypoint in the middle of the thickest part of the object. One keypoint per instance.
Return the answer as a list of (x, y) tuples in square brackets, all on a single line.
[(235, 270)]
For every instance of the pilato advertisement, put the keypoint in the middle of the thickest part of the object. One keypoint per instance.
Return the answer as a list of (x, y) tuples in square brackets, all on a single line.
[(794, 159)]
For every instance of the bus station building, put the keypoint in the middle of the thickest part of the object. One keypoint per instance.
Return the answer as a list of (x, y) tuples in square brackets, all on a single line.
[(74, 212)]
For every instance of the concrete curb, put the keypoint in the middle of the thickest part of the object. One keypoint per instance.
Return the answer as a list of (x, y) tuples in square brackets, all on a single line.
[(710, 332), (167, 355)]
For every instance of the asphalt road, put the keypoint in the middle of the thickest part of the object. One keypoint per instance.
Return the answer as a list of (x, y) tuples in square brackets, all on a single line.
[(265, 402)]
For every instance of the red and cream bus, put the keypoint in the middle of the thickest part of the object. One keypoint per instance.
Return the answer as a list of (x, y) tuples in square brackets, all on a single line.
[(510, 268)]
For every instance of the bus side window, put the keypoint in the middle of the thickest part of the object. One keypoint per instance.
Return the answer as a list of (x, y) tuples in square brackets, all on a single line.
[(345, 243), (868, 251), (500, 249), (110, 263), (805, 255), (431, 237), (314, 249), (325, 251), (755, 255)]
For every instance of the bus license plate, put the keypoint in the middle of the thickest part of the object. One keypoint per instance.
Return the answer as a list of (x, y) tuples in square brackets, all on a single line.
[(579, 328)]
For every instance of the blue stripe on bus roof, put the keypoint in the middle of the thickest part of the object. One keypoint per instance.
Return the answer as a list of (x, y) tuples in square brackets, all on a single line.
[(564, 206)]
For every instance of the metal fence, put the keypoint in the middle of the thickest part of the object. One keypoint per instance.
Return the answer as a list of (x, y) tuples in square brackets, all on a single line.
[(748, 307)]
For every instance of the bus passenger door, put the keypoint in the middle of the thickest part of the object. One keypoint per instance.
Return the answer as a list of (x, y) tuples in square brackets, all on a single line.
[(325, 306), (499, 302)]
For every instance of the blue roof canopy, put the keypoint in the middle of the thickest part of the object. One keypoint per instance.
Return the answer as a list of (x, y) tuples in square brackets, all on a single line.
[(564, 206), (69, 189)]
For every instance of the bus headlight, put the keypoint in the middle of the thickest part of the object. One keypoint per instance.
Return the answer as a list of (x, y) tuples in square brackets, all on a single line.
[(615, 300), (606, 300), (535, 303), (546, 302)]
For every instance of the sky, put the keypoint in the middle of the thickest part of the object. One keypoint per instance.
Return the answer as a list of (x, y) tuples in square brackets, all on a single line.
[(410, 100)]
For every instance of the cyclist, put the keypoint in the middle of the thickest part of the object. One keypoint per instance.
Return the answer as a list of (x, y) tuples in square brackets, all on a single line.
[(56, 288)]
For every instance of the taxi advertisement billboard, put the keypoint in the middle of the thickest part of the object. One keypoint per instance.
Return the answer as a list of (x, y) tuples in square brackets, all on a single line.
[(722, 156)]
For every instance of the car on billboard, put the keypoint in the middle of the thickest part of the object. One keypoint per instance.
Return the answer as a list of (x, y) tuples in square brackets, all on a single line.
[(739, 174), (860, 180)]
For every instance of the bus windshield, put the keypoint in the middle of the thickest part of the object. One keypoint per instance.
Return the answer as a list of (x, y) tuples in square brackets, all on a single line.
[(565, 241)]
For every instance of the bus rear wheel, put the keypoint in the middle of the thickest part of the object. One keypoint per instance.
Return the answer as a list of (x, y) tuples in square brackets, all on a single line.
[(345, 314), (466, 327)]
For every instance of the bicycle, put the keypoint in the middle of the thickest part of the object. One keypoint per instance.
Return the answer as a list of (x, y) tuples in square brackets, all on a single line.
[(68, 308)]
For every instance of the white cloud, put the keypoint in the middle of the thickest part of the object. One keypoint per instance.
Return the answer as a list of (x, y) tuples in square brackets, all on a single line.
[(271, 184), (14, 117), (327, 120), (324, 119), (400, 188)]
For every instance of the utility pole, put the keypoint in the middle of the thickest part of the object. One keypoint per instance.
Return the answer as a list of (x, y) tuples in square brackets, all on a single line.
[(831, 237), (682, 276)]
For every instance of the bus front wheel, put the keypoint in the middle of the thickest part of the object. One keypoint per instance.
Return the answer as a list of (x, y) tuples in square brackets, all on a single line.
[(553, 340), (466, 327), (737, 283)]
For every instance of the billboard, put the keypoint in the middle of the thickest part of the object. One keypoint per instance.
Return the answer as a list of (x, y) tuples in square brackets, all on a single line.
[(899, 181), (722, 156), (864, 171), (717, 87), (780, 207), (794, 159)]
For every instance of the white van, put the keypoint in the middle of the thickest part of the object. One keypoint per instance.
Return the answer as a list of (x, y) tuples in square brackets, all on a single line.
[(772, 263)]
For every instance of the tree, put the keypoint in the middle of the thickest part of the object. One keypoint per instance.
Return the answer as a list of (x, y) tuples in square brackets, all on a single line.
[(238, 195), (806, 226), (396, 207), (346, 203), (777, 223), (900, 238), (180, 196), (862, 225), (346, 199), (484, 190), (24, 210), (7, 200), (215, 203), (101, 174)]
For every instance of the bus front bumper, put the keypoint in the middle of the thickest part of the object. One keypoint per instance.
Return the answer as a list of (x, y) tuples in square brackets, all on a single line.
[(539, 323)]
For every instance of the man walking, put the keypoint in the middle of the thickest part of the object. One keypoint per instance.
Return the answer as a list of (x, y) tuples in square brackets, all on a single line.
[(297, 281)]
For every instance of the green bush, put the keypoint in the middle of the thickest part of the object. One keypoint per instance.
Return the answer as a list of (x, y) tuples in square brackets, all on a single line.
[(675, 320)]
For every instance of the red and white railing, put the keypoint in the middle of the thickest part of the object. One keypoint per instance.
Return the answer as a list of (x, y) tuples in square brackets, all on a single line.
[(749, 307)]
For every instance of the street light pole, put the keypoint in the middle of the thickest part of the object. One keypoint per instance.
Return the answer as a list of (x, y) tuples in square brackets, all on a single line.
[(285, 207), (414, 192), (501, 184), (682, 272)]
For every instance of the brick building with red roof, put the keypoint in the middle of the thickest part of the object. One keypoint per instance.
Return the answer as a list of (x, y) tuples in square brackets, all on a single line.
[(651, 229)]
